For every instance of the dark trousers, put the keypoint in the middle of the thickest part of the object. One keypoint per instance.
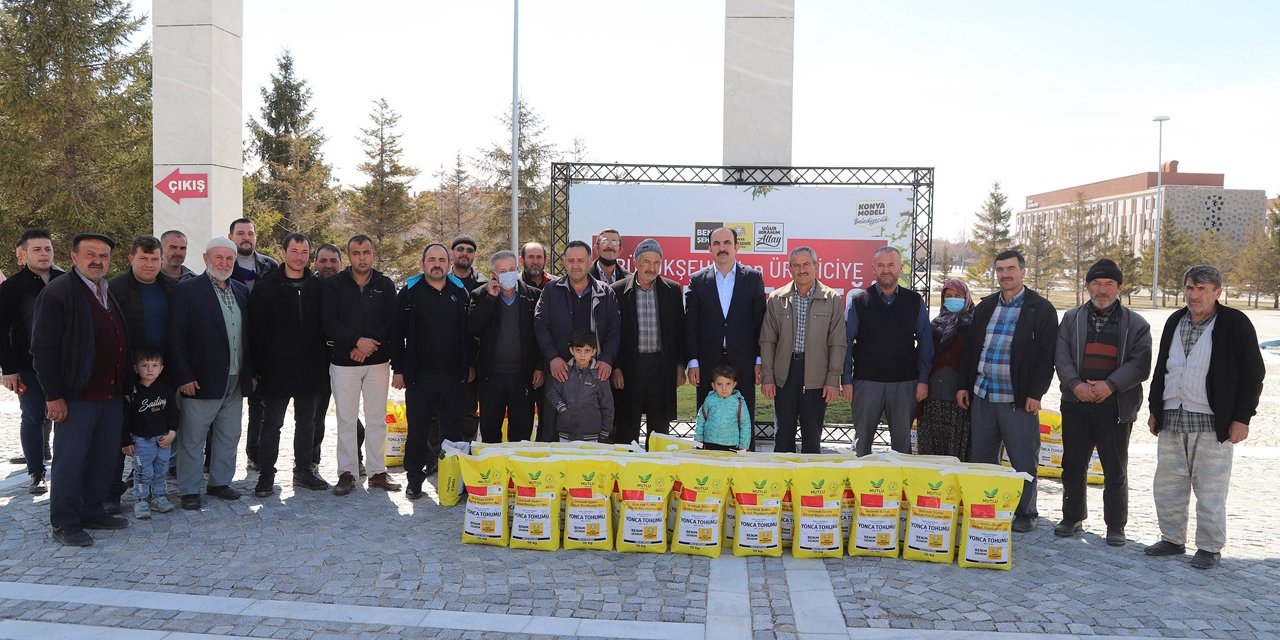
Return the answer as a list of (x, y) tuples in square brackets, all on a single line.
[(647, 389), (253, 433), (746, 387), (509, 394), (273, 420), (85, 449), (794, 401), (470, 415), (1019, 430), (317, 432), (32, 431), (546, 429), (439, 397), (1082, 430)]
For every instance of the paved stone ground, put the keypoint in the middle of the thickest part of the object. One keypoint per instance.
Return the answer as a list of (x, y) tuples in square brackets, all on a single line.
[(402, 563)]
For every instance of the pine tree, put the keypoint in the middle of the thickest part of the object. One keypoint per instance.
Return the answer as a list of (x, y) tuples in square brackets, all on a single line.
[(535, 155), (1044, 258), (460, 202), (1081, 242), (1130, 263), (75, 121), (990, 235), (382, 207), (942, 261), (1177, 254), (293, 179)]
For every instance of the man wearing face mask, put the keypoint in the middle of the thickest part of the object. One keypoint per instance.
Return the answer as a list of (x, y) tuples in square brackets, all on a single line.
[(509, 363), (608, 247), (431, 359), (210, 359)]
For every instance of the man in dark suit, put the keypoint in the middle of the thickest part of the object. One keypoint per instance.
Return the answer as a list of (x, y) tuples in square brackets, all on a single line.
[(651, 348), (724, 310), (509, 365), (209, 356)]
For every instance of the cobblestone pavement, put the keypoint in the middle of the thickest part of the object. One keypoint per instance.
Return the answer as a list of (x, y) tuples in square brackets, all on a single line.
[(376, 565)]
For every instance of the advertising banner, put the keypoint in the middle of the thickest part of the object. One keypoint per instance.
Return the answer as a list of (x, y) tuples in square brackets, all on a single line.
[(844, 225)]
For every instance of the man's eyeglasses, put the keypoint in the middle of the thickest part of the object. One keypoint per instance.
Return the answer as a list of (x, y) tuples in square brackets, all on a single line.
[(607, 241)]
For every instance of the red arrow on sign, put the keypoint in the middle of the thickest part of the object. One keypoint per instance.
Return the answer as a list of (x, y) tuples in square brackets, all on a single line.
[(178, 185)]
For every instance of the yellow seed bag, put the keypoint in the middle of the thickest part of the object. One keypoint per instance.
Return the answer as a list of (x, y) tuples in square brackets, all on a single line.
[(449, 479), (663, 442), (758, 489), (933, 496), (700, 507), (816, 491), (989, 500), (536, 511), (485, 478), (588, 521), (876, 489), (643, 488)]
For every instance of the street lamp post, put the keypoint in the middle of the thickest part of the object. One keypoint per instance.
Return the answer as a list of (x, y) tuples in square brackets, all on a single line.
[(515, 128), (1159, 212)]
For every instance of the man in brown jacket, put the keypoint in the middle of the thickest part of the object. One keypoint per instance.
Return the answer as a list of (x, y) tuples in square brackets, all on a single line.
[(802, 348)]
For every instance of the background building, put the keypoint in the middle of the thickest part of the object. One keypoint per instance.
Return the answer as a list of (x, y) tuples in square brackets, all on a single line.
[(1199, 203)]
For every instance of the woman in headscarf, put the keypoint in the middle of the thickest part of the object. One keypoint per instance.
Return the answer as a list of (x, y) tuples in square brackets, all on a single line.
[(944, 426)]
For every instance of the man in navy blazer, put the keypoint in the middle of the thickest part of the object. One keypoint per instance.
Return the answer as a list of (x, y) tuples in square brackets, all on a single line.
[(208, 357), (724, 310)]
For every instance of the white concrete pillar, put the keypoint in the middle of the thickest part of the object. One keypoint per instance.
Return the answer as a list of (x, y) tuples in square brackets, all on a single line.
[(196, 119), (759, 52)]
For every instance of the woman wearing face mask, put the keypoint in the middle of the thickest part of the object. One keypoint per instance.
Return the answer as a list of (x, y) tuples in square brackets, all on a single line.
[(944, 426)]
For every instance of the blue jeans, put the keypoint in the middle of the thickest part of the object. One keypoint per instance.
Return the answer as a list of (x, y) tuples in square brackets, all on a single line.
[(150, 467), (31, 432)]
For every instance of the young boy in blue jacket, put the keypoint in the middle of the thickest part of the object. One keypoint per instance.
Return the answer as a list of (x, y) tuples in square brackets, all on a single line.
[(724, 422)]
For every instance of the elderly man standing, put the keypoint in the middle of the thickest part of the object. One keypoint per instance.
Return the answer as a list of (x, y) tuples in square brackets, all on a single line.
[(1207, 382), (80, 351), (575, 301), (651, 356), (356, 311), (210, 362), (17, 311), (724, 310), (509, 365), (289, 350), (1008, 368), (802, 349), (890, 356), (608, 247), (1103, 355)]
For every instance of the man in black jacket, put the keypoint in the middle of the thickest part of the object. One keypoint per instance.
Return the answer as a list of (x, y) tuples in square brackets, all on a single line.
[(17, 309), (508, 363), (463, 253), (357, 311), (143, 292), (1008, 368), (431, 358), (250, 267), (288, 345), (1207, 382), (609, 248), (80, 352), (651, 354)]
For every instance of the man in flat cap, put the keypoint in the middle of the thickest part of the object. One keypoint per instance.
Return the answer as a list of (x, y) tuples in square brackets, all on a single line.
[(80, 349), (209, 355), (1103, 355)]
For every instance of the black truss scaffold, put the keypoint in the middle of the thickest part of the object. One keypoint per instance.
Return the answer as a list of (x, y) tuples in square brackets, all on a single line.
[(919, 179)]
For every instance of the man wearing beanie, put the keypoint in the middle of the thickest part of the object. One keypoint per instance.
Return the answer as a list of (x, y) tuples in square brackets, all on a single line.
[(650, 362), (1103, 355)]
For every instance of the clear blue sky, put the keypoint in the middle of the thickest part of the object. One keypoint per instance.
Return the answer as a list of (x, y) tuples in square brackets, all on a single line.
[(1037, 95)]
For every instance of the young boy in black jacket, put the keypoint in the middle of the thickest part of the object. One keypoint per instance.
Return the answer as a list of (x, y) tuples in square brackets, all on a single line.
[(151, 424)]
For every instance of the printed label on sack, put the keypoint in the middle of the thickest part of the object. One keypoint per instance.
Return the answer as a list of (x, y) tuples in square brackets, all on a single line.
[(699, 524), (642, 523), (819, 527), (929, 530), (585, 519), (484, 515), (988, 541), (877, 526), (758, 526), (531, 519)]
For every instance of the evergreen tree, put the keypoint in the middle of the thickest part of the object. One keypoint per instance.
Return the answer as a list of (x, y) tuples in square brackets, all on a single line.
[(1177, 254), (535, 155), (1210, 247), (460, 202), (942, 261), (382, 207), (990, 235), (1081, 243), (1257, 273), (293, 180), (1130, 263), (1044, 259), (75, 121)]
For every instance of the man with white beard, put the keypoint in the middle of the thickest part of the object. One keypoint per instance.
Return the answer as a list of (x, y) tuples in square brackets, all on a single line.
[(208, 353)]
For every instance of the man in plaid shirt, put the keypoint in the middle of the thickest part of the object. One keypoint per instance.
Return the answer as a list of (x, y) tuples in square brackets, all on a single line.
[(1008, 371)]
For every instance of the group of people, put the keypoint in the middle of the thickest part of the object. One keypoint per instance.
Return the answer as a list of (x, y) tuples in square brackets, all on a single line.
[(160, 358)]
